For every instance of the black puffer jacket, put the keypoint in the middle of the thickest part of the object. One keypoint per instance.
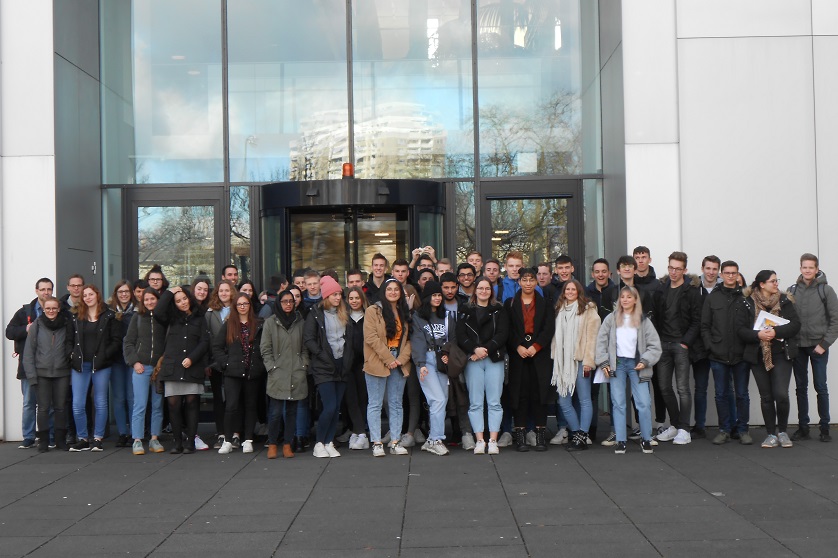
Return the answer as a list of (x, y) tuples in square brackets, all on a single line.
[(723, 314), (186, 337), (491, 332), (784, 344), (321, 364), (230, 358), (108, 342), (689, 312), (144, 341)]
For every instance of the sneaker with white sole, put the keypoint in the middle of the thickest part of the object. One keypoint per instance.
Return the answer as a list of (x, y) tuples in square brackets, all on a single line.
[(635, 434), (137, 448), (419, 436), (531, 439), (479, 447), (667, 435), (436, 447), (682, 438), (378, 450), (226, 447), (320, 450), (784, 440), (493, 448), (505, 440), (332, 450), (771, 441), (361, 442), (397, 449), (467, 441), (247, 446), (620, 447), (345, 437), (646, 446), (407, 440), (218, 442), (427, 445), (560, 437), (353, 439), (154, 446), (611, 440), (200, 445)]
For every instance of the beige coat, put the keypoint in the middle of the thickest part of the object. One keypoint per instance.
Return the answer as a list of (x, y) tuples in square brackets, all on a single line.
[(585, 351), (376, 354)]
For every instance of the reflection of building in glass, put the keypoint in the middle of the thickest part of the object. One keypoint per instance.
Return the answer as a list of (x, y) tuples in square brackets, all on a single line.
[(398, 140)]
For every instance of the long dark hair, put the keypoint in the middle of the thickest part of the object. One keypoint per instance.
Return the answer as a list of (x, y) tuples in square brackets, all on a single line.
[(113, 301), (426, 311), (401, 308), (193, 302), (81, 309), (581, 300), (141, 309), (234, 321)]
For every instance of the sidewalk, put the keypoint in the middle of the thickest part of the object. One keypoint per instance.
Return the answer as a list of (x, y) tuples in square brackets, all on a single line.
[(696, 500)]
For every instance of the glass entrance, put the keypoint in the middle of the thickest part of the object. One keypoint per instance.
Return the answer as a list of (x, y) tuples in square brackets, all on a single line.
[(347, 238)]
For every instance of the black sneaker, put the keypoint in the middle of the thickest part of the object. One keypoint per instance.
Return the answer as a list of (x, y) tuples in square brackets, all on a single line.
[(735, 436), (96, 445), (800, 434), (219, 442), (825, 437), (81, 445), (620, 447), (646, 446), (124, 441), (27, 444), (696, 433), (635, 434)]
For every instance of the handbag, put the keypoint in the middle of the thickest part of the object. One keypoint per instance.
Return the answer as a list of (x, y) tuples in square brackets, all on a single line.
[(457, 360), (158, 384)]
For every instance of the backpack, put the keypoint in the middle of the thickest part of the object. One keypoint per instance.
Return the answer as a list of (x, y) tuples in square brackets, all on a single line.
[(821, 293)]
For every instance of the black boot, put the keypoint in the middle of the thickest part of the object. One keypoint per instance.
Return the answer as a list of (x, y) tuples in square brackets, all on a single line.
[(298, 445), (43, 441), (519, 435), (540, 438), (61, 440)]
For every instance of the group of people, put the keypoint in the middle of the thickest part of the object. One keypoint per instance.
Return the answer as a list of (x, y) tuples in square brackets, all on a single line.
[(488, 354)]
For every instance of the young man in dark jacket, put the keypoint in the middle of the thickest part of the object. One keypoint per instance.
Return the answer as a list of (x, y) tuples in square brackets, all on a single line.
[(601, 287), (17, 330), (723, 313)]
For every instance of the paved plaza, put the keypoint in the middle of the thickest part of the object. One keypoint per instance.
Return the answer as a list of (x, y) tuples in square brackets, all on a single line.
[(697, 500)]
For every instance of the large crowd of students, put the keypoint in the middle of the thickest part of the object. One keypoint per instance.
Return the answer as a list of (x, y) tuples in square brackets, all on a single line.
[(450, 355)]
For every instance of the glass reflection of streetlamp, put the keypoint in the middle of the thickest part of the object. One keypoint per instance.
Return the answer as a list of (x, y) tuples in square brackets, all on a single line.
[(250, 140)]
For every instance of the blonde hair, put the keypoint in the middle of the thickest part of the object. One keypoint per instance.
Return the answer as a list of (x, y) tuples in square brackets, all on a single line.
[(636, 315), (343, 312)]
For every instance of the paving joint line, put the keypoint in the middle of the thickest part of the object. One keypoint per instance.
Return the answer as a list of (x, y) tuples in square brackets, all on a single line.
[(299, 511)]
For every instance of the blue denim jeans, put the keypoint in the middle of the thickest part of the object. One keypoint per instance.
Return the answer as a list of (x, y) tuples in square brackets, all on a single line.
[(675, 361), (81, 382), (393, 387), (484, 378), (30, 409), (331, 394), (580, 420), (435, 387), (640, 393), (122, 395), (722, 375), (141, 386), (303, 426), (801, 379)]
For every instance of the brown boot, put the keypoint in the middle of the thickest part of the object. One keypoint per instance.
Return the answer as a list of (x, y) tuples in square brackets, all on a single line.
[(272, 451), (286, 450)]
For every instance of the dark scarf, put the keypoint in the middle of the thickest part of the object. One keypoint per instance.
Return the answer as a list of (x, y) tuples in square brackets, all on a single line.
[(770, 304), (56, 324), (285, 318)]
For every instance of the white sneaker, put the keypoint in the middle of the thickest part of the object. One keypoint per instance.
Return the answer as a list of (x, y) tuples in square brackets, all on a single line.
[(247, 446), (353, 439), (427, 445), (467, 442), (378, 450), (345, 437), (611, 440), (479, 447), (331, 450), (667, 435), (320, 450), (493, 447), (682, 438), (361, 442), (505, 440), (200, 445), (560, 437), (397, 449), (225, 448), (530, 438), (407, 440), (419, 436), (436, 447), (386, 439)]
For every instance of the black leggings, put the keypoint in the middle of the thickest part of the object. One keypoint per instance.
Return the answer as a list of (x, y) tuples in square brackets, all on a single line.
[(355, 399), (529, 397), (218, 405), (52, 392), (235, 388), (773, 388), (176, 409)]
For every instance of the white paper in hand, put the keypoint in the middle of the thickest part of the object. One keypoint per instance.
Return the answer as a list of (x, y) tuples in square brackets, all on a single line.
[(601, 377)]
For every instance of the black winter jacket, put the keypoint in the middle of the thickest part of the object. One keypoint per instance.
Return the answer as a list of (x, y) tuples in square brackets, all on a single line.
[(321, 362), (186, 337), (723, 314), (491, 333), (144, 341), (108, 342), (689, 312), (784, 344), (230, 358), (544, 326), (16, 331)]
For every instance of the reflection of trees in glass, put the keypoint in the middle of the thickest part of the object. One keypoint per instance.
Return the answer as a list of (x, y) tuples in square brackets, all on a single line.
[(522, 26), (240, 229), (464, 219), (551, 131), (180, 239), (536, 227)]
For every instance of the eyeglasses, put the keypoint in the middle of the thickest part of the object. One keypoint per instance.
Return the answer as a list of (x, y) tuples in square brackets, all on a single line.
[(483, 289), (775, 281), (155, 280), (50, 309), (74, 286), (677, 269), (730, 273), (123, 291), (242, 304), (286, 301)]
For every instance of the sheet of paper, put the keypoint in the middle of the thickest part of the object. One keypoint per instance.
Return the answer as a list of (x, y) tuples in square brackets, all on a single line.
[(765, 319)]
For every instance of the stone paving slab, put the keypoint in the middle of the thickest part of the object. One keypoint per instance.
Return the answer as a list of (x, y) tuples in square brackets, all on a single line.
[(696, 500)]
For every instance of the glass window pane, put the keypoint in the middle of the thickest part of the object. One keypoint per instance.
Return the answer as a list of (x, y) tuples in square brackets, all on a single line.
[(530, 87), (536, 227), (240, 232), (289, 116), (464, 215), (594, 222), (412, 89), (179, 239), (162, 109)]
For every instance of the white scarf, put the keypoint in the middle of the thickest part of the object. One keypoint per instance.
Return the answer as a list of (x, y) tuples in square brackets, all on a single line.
[(564, 344)]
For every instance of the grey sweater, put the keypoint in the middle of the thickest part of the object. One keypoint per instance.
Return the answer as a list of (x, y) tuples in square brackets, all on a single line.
[(648, 345), (47, 352)]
